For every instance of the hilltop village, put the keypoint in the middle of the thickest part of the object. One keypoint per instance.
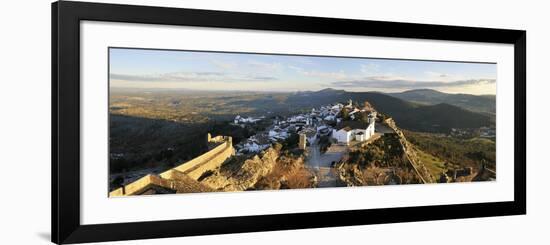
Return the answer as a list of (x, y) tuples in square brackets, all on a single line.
[(340, 144), (343, 123)]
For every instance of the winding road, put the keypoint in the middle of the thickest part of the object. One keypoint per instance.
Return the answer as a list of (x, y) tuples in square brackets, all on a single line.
[(320, 164)]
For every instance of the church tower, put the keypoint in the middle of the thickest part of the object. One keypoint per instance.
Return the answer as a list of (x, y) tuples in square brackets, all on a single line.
[(302, 143)]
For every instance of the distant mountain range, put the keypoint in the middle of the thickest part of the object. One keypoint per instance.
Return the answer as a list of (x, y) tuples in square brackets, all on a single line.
[(417, 110), (427, 117), (476, 103)]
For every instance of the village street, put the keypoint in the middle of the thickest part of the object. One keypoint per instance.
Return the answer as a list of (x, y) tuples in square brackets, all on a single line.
[(320, 164)]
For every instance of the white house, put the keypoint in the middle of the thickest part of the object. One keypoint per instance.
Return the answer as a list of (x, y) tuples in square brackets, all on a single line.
[(369, 132), (311, 134), (329, 118), (370, 129), (342, 135), (354, 130), (360, 136)]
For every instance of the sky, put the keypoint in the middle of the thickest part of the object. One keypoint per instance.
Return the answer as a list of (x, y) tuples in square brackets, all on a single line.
[(143, 68)]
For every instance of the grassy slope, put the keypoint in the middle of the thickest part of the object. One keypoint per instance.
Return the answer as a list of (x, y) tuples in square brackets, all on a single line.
[(457, 152), (434, 164), (477, 103)]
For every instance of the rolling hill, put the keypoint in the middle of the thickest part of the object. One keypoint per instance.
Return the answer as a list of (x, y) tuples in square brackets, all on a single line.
[(203, 106), (439, 117), (476, 103)]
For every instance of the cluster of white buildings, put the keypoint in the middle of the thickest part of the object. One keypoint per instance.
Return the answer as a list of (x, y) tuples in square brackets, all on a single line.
[(312, 125), (329, 113), (254, 144), (246, 120), (484, 132), (487, 132), (281, 129)]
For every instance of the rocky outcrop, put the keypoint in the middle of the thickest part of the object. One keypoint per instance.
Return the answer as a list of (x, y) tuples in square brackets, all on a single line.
[(410, 154), (353, 175), (349, 176), (246, 177)]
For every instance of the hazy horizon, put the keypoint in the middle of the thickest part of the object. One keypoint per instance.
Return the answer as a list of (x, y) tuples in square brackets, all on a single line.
[(132, 89), (216, 71)]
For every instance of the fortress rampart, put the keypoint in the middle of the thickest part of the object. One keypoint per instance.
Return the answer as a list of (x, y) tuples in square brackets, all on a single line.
[(410, 154), (221, 148)]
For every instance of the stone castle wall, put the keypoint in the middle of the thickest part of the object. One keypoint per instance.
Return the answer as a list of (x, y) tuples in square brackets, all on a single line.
[(139, 185), (212, 158), (410, 154), (194, 168), (216, 158)]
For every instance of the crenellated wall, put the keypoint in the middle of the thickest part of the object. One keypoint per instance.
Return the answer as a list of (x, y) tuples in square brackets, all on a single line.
[(208, 161), (194, 168), (212, 158)]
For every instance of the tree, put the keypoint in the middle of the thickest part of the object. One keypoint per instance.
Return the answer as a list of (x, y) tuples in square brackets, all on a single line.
[(345, 114), (117, 182)]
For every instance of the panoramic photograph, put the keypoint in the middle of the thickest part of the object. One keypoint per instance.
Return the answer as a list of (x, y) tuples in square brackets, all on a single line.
[(203, 121)]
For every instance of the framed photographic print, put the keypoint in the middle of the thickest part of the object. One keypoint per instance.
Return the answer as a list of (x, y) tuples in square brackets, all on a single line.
[(176, 122)]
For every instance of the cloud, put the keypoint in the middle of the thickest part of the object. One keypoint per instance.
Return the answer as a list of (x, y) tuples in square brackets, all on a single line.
[(170, 77), (265, 66), (296, 68), (209, 73), (326, 75), (436, 74), (124, 77), (384, 82), (263, 78), (191, 77), (369, 68), (223, 64), (320, 74)]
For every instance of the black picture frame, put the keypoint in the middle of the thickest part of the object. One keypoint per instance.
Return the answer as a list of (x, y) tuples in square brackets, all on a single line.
[(65, 200)]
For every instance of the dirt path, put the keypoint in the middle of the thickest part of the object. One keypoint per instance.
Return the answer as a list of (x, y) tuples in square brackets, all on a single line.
[(327, 177), (321, 164)]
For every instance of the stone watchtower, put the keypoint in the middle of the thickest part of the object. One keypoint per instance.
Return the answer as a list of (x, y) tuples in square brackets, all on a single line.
[(302, 143)]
